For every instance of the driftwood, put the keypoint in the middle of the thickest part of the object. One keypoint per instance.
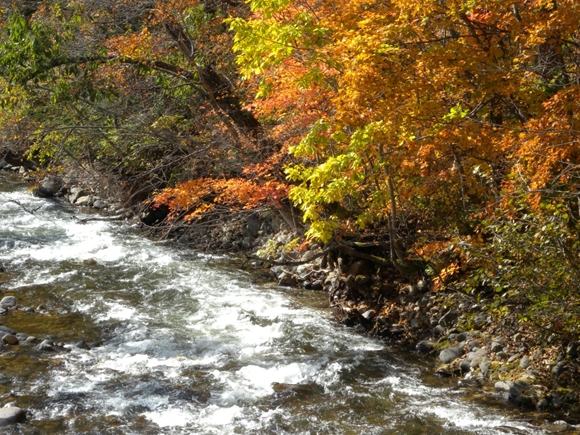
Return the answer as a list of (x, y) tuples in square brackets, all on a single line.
[(101, 218), (22, 207)]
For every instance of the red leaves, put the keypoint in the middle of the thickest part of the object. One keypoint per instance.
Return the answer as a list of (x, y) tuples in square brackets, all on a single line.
[(192, 199)]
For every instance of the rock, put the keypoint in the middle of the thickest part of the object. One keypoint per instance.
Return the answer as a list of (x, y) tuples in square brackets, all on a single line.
[(422, 286), (556, 427), (525, 395), (450, 354), (315, 285), (438, 331), (558, 368), (5, 380), (502, 355), (359, 267), (449, 319), (475, 357), (425, 346), (497, 345), (7, 330), (525, 362), (502, 386), (84, 201), (49, 187), (448, 370), (31, 340), (462, 336), (479, 321), (369, 314), (308, 256), (465, 366), (22, 336), (253, 225), (10, 339), (277, 270), (99, 204), (11, 415), (556, 399), (8, 302), (542, 405), (484, 365), (83, 345), (45, 346), (75, 193), (473, 344), (287, 279), (397, 329)]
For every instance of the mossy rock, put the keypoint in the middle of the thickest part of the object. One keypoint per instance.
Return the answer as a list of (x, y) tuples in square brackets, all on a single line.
[(441, 345)]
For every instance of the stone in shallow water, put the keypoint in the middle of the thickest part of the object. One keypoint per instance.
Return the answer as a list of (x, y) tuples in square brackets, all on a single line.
[(8, 302), (31, 340), (46, 345), (425, 346), (11, 415), (10, 339)]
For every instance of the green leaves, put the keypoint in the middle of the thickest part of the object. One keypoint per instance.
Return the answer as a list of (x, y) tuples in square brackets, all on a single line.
[(29, 51)]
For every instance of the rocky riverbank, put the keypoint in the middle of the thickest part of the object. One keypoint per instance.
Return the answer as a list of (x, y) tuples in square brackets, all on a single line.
[(464, 336), (504, 357)]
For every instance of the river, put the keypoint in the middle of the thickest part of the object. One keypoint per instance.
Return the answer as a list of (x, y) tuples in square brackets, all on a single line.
[(185, 343)]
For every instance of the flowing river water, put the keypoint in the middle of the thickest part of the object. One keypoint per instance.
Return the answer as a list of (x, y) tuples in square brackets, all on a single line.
[(184, 343)]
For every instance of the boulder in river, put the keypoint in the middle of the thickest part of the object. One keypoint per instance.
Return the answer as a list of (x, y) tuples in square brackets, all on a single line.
[(12, 415), (49, 187)]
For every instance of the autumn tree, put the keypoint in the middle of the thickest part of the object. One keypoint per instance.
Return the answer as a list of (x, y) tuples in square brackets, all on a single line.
[(148, 90), (431, 107)]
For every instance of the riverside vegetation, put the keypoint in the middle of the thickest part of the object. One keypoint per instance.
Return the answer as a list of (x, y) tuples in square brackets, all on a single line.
[(416, 160)]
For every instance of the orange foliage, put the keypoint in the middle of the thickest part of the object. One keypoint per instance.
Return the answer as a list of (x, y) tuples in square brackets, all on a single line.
[(195, 198)]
